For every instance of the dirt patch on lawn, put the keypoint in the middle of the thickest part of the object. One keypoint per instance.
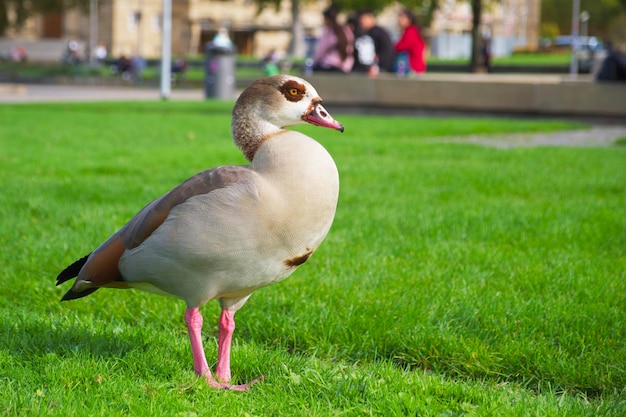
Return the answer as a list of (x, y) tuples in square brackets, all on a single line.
[(597, 136)]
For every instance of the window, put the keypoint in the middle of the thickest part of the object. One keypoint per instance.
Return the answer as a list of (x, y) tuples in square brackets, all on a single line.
[(156, 22), (131, 21)]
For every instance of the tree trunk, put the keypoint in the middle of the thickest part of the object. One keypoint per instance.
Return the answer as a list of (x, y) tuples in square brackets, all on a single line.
[(475, 61), (296, 45)]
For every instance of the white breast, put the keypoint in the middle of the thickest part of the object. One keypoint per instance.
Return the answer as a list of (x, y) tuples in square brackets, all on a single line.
[(234, 240)]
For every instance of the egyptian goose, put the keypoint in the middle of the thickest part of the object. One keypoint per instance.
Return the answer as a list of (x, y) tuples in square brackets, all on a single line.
[(229, 230)]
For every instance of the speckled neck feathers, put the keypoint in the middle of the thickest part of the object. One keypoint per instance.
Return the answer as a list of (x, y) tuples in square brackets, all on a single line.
[(250, 131), (267, 106)]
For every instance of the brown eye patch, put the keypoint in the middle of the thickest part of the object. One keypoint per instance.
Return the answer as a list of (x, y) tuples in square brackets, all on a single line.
[(292, 90)]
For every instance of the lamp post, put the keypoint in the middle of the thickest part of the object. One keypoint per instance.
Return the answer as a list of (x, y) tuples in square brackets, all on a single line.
[(137, 17), (166, 50), (584, 19), (573, 69), (93, 30)]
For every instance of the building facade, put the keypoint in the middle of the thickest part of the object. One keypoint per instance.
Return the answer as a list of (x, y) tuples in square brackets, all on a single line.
[(133, 27), (129, 27), (507, 25)]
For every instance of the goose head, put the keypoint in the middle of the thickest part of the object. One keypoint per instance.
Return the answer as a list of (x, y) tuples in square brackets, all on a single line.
[(270, 104)]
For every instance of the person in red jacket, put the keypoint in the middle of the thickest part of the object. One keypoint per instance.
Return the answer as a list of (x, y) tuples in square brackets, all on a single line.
[(411, 45)]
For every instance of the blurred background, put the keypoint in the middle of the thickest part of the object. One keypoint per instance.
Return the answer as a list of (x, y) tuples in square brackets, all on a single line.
[(101, 32)]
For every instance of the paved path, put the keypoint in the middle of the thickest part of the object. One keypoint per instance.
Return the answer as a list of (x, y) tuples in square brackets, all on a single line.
[(598, 135)]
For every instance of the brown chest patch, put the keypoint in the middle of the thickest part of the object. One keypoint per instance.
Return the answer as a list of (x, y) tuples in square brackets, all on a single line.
[(292, 90), (298, 260)]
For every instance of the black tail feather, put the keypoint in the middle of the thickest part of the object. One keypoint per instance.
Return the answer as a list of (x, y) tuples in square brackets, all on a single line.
[(72, 270), (72, 295)]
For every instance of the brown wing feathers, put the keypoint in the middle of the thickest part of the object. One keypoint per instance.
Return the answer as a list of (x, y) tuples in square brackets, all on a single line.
[(155, 213), (101, 267)]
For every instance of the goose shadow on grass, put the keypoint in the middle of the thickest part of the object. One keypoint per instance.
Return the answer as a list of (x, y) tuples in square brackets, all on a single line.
[(37, 339)]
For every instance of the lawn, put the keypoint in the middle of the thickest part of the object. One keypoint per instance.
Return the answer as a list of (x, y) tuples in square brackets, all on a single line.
[(247, 68), (457, 279), (521, 59)]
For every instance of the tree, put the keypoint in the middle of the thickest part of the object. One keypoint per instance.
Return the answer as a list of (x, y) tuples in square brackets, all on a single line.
[(602, 12), (477, 11), (424, 8), (23, 9), (295, 45)]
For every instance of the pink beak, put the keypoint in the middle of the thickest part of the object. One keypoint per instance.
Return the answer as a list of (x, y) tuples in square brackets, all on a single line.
[(318, 116)]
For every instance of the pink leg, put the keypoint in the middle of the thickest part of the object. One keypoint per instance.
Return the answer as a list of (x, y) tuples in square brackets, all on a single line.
[(193, 318), (227, 327)]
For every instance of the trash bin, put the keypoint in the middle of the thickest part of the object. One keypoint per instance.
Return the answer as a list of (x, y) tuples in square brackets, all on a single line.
[(219, 72)]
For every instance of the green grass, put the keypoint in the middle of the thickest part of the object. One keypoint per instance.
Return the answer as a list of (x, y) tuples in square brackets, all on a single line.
[(13, 70), (42, 70), (557, 58), (196, 73), (456, 280), (522, 59)]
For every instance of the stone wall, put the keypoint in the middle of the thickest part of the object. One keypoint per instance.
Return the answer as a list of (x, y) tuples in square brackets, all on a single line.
[(527, 94)]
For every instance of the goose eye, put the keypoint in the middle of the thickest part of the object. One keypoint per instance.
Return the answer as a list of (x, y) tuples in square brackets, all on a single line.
[(292, 90)]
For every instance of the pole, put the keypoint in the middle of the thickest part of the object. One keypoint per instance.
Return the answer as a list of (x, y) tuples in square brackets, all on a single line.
[(573, 69), (138, 19), (584, 18), (93, 30), (166, 50)]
